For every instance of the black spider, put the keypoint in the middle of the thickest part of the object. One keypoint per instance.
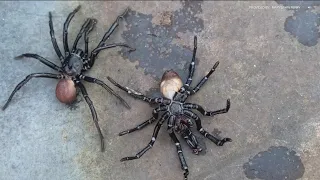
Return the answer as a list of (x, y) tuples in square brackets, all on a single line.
[(176, 111), (74, 63)]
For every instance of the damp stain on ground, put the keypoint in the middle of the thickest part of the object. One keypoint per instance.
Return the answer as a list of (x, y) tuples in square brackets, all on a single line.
[(304, 24), (154, 43), (277, 163)]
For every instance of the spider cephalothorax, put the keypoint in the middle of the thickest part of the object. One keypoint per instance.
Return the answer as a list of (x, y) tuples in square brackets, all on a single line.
[(73, 64), (176, 112)]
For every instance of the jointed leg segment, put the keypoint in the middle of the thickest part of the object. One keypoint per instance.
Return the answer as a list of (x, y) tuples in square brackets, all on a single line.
[(207, 113), (93, 112), (192, 64), (65, 30), (217, 141), (87, 25), (155, 115), (138, 95), (53, 39), (30, 76), (191, 140), (153, 139), (105, 37), (41, 59), (106, 87), (183, 162), (201, 83)]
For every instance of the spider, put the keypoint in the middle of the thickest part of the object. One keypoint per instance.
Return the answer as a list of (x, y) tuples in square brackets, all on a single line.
[(73, 64), (176, 111)]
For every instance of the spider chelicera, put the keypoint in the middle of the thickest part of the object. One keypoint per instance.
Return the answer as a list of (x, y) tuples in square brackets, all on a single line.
[(176, 111), (74, 63)]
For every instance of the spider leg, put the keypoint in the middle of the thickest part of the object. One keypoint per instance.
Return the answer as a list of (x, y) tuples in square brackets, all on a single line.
[(183, 162), (192, 64), (93, 111), (153, 139), (114, 25), (86, 38), (53, 39), (30, 76), (217, 141), (139, 95), (82, 30), (41, 59), (155, 115), (65, 30), (191, 140), (207, 113), (107, 46), (107, 35), (106, 87), (203, 80)]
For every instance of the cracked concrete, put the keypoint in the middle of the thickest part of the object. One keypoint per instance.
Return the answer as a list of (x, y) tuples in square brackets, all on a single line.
[(269, 75)]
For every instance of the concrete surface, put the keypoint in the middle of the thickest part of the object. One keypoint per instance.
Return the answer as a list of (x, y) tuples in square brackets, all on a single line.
[(269, 68)]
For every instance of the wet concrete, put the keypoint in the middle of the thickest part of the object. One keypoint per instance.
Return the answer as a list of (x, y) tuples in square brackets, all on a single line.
[(270, 76), (154, 38), (276, 163), (305, 21)]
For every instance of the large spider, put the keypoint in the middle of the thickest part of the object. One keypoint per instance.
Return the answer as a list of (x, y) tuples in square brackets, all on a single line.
[(176, 111), (73, 64)]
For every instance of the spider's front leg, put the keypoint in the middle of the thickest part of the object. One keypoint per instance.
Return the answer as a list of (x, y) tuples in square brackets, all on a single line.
[(139, 95), (204, 80), (153, 139), (87, 26), (93, 112), (191, 66), (217, 141), (53, 39), (65, 30), (106, 36), (207, 113)]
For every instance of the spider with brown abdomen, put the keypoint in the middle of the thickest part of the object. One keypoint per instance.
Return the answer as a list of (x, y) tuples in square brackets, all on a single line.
[(74, 63), (176, 111)]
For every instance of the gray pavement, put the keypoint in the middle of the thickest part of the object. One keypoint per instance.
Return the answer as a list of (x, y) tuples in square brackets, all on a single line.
[(269, 68)]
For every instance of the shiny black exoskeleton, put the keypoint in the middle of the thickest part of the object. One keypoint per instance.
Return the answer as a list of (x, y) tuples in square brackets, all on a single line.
[(178, 115), (75, 62)]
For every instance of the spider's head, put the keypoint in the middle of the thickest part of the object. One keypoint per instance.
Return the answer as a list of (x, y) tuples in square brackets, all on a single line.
[(170, 84), (73, 64)]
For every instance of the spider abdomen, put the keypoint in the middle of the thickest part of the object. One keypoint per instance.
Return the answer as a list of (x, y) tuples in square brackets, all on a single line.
[(66, 91), (170, 84)]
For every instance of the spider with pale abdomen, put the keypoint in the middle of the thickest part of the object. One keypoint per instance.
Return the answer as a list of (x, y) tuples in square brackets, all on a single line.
[(74, 63), (176, 111)]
